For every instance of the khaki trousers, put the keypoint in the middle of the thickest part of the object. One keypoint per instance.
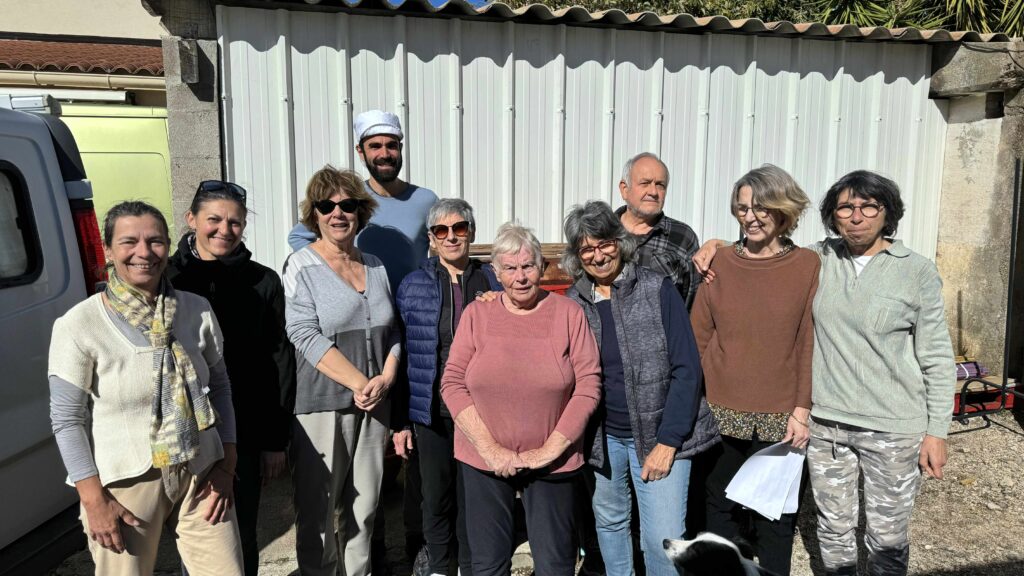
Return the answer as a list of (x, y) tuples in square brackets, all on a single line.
[(337, 465), (169, 498)]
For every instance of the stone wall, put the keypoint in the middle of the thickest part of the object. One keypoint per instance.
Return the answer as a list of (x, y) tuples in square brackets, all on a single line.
[(974, 233)]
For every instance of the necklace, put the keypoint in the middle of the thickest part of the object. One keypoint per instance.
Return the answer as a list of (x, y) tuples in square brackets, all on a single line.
[(741, 250)]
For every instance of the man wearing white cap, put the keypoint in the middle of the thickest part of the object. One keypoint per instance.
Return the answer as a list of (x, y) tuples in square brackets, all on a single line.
[(397, 232)]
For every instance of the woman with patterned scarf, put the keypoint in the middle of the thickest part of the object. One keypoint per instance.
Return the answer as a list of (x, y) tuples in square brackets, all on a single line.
[(146, 361)]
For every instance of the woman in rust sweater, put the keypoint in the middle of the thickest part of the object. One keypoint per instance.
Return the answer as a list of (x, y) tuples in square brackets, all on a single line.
[(755, 337), (522, 379)]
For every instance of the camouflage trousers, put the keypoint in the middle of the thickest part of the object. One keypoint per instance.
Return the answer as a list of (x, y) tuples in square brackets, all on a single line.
[(836, 456)]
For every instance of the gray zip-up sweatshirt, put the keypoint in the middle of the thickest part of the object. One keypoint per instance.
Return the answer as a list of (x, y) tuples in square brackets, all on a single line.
[(321, 311)]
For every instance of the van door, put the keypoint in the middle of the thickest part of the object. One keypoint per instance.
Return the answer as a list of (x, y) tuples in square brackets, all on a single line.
[(40, 279)]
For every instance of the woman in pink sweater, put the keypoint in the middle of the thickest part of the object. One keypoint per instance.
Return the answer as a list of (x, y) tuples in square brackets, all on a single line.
[(522, 379)]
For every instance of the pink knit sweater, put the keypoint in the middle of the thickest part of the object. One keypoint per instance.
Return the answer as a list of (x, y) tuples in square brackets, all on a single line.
[(526, 375)]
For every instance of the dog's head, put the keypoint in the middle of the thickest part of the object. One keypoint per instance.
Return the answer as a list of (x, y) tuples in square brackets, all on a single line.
[(711, 555)]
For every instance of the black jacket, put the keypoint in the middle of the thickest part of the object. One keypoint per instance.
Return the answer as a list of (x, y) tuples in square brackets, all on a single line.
[(248, 300)]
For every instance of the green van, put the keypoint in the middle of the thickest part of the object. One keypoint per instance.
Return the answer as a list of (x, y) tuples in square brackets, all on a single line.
[(124, 149)]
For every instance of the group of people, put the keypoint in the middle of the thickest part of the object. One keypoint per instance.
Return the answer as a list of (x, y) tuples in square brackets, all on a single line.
[(193, 379)]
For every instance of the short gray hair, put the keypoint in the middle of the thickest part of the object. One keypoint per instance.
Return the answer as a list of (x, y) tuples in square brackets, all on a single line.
[(512, 237), (446, 206), (596, 220), (627, 168)]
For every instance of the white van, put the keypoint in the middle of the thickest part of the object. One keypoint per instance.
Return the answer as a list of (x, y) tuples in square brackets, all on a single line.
[(51, 257)]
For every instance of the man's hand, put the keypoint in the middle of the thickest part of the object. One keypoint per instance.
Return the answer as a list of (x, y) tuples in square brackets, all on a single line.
[(403, 443), (933, 456)]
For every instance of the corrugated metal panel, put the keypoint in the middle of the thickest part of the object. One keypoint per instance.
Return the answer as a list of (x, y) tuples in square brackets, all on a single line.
[(526, 120), (541, 14)]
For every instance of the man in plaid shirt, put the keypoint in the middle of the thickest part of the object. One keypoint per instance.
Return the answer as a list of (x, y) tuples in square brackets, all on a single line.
[(666, 245)]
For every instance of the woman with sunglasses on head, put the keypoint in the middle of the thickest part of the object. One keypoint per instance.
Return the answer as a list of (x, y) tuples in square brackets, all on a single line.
[(431, 301), (883, 376), (755, 336), (140, 403), (653, 418), (248, 299), (342, 321)]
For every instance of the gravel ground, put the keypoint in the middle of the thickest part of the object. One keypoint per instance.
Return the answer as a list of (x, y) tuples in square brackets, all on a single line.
[(969, 524)]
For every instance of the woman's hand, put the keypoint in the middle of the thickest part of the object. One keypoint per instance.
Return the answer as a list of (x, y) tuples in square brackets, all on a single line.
[(798, 431), (501, 461), (104, 514), (488, 296), (658, 463), (537, 458), (933, 456), (272, 465), (219, 487), (372, 394), (703, 257), (403, 443)]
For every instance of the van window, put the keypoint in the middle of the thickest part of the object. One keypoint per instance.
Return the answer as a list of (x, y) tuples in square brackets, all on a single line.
[(17, 236)]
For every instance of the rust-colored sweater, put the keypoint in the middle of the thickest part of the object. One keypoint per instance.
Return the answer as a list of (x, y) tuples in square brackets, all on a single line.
[(526, 375), (754, 331)]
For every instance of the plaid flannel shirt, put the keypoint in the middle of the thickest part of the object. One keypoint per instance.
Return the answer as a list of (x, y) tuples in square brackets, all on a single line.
[(668, 249)]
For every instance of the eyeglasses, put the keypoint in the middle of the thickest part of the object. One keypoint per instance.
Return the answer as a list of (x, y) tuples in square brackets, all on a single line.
[(607, 247), (759, 211), (212, 186), (869, 210), (347, 205), (460, 229)]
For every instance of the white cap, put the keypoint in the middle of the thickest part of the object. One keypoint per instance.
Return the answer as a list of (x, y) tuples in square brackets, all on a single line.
[(375, 123)]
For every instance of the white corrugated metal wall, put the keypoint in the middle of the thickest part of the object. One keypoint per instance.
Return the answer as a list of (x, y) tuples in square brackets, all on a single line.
[(525, 120)]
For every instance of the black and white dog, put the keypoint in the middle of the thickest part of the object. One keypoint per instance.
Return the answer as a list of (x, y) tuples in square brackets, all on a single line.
[(711, 555)]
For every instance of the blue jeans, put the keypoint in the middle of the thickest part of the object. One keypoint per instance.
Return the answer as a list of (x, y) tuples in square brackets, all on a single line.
[(662, 510)]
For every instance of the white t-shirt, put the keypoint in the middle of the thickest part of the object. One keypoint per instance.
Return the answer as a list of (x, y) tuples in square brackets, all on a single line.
[(859, 262)]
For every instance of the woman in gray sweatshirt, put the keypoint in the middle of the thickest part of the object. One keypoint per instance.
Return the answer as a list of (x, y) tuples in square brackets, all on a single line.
[(340, 317)]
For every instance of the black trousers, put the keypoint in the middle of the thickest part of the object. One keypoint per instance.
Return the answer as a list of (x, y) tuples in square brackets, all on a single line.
[(548, 504), (444, 519), (248, 486), (772, 540)]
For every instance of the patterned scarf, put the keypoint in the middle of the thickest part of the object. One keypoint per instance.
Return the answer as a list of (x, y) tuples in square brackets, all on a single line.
[(180, 409)]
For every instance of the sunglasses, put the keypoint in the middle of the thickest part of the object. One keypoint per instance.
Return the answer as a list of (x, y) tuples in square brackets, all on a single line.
[(347, 205), (440, 231), (213, 186)]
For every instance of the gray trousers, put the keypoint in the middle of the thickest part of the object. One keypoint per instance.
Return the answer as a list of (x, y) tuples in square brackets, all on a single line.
[(836, 456), (337, 464)]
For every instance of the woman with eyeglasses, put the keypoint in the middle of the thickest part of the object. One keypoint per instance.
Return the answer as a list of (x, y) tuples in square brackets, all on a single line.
[(755, 335), (342, 321), (248, 299), (431, 301), (653, 417), (883, 376), (521, 381), (141, 408)]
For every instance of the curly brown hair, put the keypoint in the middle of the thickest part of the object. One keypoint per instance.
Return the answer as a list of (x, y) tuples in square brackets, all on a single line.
[(327, 181)]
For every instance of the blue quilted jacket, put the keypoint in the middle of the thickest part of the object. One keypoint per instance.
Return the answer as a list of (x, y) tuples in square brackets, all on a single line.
[(419, 304)]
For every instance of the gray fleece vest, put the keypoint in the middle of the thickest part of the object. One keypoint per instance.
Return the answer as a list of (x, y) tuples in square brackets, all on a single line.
[(644, 350)]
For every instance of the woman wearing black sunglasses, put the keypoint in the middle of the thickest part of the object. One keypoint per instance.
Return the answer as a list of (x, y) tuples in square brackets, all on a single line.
[(248, 300), (431, 300), (341, 319)]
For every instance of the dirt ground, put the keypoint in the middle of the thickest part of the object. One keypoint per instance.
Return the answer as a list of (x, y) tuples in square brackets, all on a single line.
[(969, 524)]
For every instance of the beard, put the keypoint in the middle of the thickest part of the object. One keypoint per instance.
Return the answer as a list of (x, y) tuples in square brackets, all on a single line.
[(384, 177), (641, 214)]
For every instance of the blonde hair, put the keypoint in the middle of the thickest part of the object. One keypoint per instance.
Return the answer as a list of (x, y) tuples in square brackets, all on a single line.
[(773, 188)]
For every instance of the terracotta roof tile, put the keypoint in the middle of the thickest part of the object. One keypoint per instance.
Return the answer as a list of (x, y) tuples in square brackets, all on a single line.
[(80, 57)]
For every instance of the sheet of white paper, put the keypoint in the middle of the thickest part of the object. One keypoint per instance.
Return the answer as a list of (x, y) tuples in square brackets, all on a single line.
[(769, 481)]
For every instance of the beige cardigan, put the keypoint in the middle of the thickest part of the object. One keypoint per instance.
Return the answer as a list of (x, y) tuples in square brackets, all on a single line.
[(88, 351)]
